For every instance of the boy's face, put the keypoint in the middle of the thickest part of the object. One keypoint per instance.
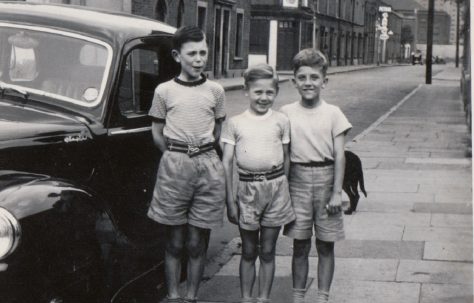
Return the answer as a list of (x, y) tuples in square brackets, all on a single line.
[(261, 94), (193, 58), (309, 81)]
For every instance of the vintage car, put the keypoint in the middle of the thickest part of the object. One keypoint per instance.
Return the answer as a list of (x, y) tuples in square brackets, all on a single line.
[(77, 159)]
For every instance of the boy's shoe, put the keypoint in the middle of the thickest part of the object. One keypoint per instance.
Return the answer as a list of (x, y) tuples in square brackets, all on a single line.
[(323, 296), (247, 300), (173, 300), (188, 300), (261, 300), (298, 295)]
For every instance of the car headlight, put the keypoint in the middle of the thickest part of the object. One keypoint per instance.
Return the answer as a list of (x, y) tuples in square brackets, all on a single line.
[(10, 233)]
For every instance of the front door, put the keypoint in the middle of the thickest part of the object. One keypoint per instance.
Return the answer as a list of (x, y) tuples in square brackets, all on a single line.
[(287, 44), (221, 42)]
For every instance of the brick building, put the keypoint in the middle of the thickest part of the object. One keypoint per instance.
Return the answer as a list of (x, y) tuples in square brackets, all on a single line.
[(343, 29)]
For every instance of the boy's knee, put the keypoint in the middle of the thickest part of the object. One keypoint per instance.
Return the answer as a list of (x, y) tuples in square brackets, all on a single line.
[(196, 248), (249, 255), (174, 249), (267, 256), (301, 248), (324, 248)]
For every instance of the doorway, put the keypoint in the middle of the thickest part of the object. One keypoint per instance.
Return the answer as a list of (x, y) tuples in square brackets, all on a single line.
[(221, 43)]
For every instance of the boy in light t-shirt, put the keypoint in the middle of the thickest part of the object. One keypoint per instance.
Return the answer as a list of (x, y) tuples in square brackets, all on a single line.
[(258, 139), (318, 132)]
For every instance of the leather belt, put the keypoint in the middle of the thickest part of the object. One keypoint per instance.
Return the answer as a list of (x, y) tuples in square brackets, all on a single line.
[(315, 163), (190, 149), (261, 177)]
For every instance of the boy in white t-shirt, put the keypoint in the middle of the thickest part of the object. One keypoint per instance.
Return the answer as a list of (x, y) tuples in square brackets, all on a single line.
[(318, 132), (258, 138)]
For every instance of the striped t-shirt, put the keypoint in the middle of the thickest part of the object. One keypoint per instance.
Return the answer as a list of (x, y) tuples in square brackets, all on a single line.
[(189, 109), (258, 140)]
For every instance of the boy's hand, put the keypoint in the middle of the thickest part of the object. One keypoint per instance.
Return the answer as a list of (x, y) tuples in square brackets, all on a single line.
[(335, 204), (233, 214)]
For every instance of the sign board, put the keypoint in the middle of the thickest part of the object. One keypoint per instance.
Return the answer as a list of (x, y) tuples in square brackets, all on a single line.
[(290, 3), (385, 9), (383, 36)]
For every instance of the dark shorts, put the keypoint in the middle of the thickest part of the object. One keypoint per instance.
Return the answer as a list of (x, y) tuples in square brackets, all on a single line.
[(189, 190), (310, 190)]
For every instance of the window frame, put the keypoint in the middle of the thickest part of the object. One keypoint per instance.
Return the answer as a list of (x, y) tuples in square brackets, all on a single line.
[(238, 47), (202, 5)]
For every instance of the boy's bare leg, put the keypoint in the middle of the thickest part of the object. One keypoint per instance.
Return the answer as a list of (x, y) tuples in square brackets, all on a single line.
[(300, 262), (247, 262), (196, 247), (325, 266), (300, 268), (268, 239), (173, 255)]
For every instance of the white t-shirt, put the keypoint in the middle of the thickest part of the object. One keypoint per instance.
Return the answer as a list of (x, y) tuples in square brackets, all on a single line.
[(313, 130), (258, 140)]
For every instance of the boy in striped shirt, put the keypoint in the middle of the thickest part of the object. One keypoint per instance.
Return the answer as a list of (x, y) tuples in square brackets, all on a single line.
[(189, 194)]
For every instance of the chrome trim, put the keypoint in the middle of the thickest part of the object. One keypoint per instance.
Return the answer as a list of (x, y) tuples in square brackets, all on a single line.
[(129, 131), (15, 225), (72, 35)]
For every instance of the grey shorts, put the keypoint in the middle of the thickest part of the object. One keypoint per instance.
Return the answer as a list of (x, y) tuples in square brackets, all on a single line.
[(310, 190), (264, 203), (189, 190)]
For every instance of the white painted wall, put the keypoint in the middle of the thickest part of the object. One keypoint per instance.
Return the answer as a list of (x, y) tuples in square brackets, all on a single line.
[(272, 44), (257, 59)]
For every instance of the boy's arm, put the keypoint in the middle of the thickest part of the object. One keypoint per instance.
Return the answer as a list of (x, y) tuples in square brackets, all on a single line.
[(217, 129), (228, 162), (286, 159), (335, 202), (158, 137)]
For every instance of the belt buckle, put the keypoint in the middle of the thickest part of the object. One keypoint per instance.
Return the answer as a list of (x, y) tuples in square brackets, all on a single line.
[(259, 177), (192, 149)]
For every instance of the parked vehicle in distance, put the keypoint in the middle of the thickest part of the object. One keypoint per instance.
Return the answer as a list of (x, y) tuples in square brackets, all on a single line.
[(77, 159), (417, 58)]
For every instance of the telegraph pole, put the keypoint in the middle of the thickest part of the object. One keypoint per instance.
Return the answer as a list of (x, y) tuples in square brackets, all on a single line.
[(429, 41), (457, 32)]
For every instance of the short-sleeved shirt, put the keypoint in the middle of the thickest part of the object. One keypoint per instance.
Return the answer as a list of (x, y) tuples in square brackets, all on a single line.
[(258, 140), (189, 109), (313, 130)]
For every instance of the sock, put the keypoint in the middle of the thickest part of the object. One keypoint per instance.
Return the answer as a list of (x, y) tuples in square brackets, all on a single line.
[(323, 296), (298, 295)]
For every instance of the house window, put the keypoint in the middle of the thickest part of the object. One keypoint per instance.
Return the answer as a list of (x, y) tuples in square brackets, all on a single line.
[(179, 21), (239, 34), (258, 40), (161, 10), (202, 15)]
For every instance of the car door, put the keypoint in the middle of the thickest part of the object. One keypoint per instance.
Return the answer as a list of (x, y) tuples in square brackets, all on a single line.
[(132, 159)]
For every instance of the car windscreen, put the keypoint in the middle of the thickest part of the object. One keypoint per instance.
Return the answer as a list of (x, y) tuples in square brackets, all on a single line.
[(65, 66)]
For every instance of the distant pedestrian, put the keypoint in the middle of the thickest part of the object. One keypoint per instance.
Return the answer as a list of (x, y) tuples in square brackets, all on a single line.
[(318, 132), (258, 139), (189, 195)]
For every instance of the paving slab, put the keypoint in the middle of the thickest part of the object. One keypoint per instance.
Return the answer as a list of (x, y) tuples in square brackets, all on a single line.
[(438, 293), (443, 208), (459, 189), (383, 207), (437, 234), (353, 291), (452, 220), (370, 249), (443, 161), (388, 233), (454, 197), (398, 197), (387, 186), (227, 289), (381, 220), (448, 251), (439, 272)]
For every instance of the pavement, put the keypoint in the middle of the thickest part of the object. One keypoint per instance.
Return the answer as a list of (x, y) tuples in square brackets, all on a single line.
[(411, 239)]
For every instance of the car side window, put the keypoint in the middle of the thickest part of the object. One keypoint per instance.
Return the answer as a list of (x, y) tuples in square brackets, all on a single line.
[(140, 77)]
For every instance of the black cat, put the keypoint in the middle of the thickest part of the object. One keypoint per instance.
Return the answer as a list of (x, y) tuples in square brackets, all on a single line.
[(353, 176)]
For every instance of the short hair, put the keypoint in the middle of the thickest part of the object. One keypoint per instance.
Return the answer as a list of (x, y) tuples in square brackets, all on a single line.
[(260, 71), (310, 57), (186, 34)]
